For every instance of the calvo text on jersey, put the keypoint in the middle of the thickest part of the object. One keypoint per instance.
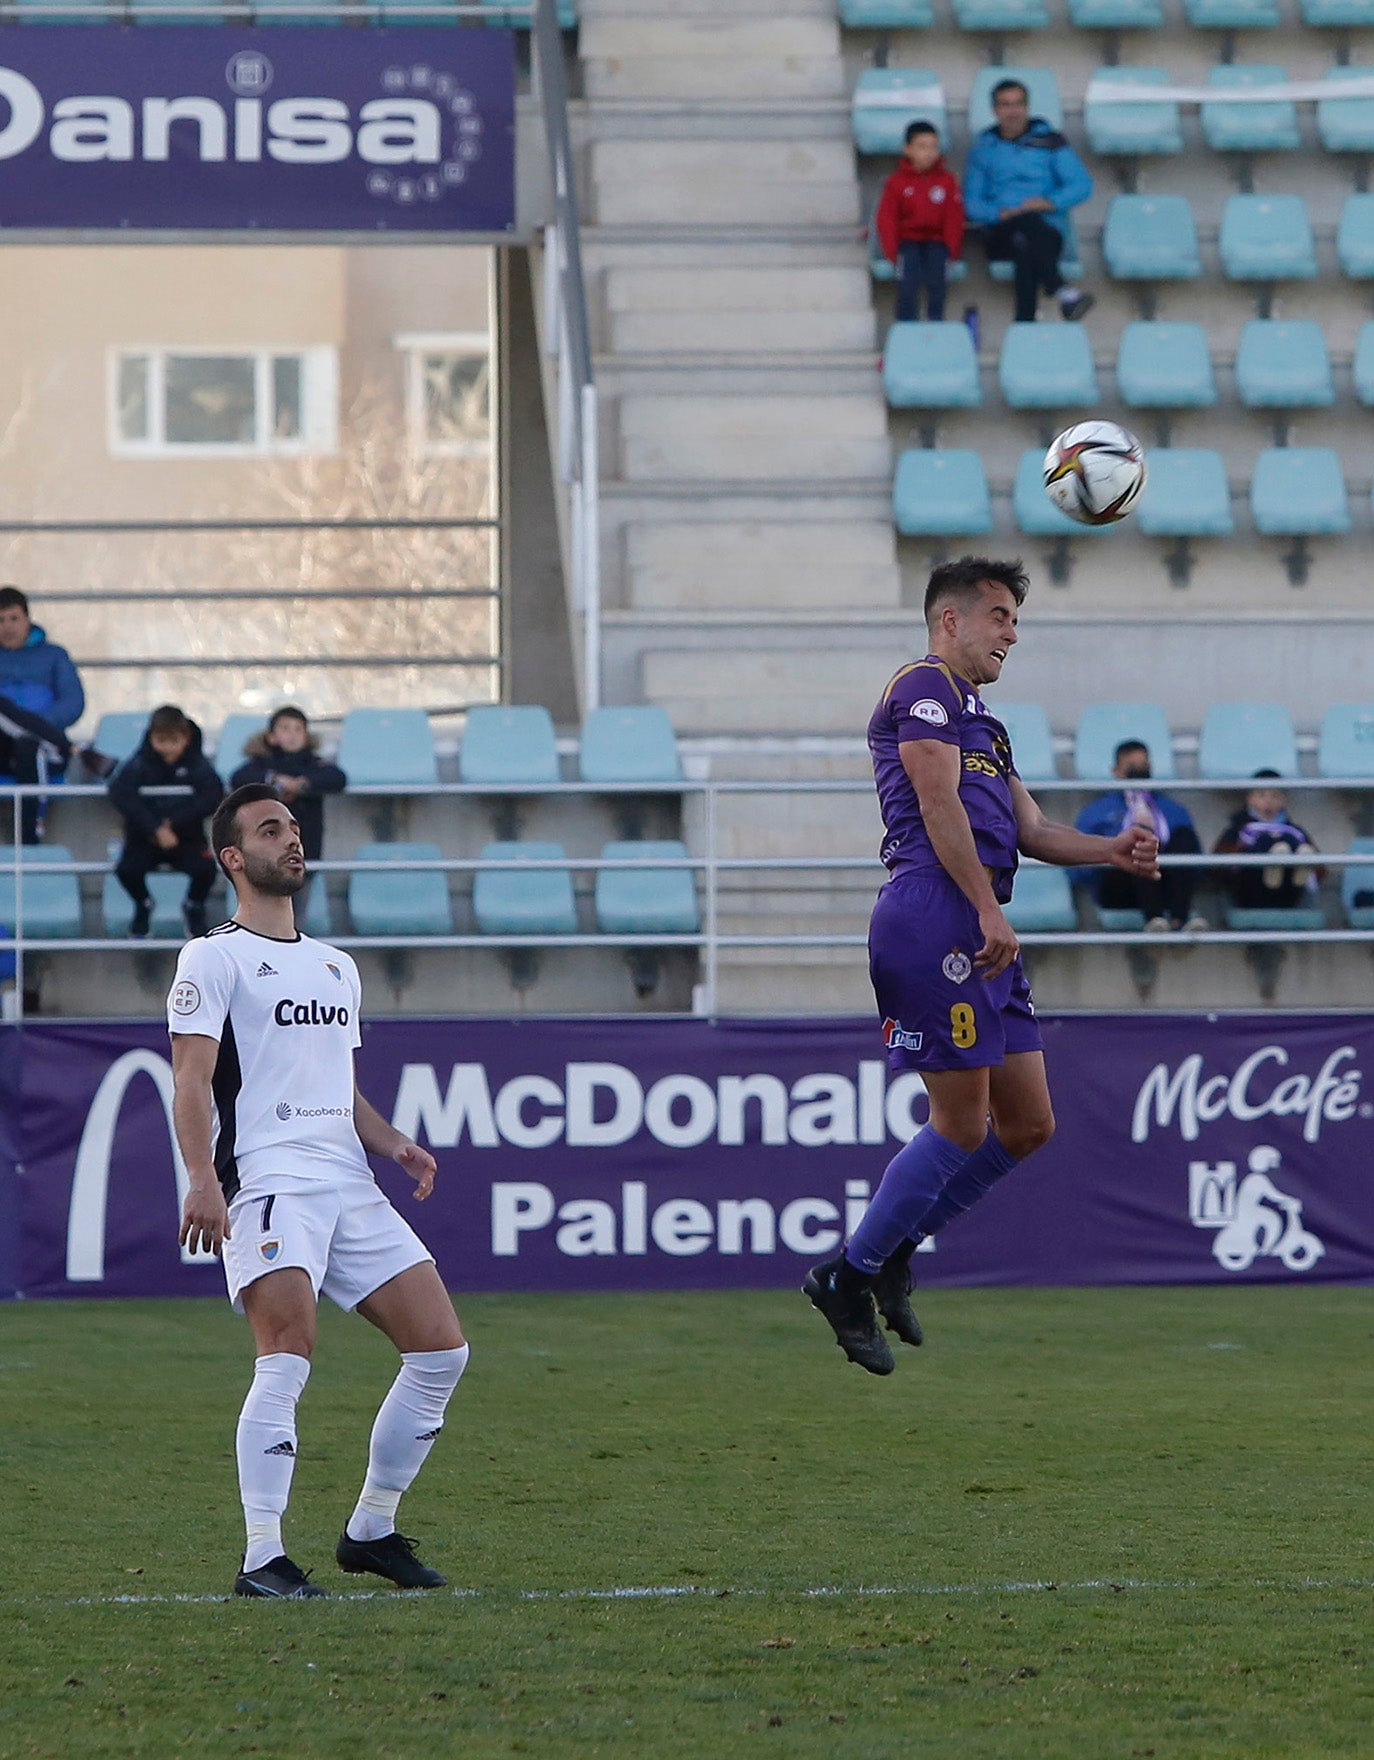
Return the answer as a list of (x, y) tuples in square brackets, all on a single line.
[(309, 1014)]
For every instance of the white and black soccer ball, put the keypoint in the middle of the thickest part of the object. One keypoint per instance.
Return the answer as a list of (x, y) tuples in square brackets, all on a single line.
[(1094, 472)]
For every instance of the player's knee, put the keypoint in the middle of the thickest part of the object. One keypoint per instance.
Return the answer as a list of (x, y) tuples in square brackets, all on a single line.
[(1030, 1134)]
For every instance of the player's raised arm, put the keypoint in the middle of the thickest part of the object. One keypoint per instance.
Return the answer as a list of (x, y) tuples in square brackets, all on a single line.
[(205, 1215), (1134, 848)]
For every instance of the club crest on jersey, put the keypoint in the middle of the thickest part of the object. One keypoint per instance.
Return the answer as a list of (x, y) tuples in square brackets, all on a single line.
[(270, 1250), (899, 1038), (957, 966), (930, 711), (185, 998), (329, 966)]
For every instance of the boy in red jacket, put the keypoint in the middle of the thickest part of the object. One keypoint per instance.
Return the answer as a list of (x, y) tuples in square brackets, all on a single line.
[(920, 223)]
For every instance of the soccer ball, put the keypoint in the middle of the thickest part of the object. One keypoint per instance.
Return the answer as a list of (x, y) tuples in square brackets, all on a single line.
[(1095, 472)]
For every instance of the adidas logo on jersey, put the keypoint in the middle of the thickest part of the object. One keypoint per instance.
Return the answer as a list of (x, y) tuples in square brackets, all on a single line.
[(266, 971)]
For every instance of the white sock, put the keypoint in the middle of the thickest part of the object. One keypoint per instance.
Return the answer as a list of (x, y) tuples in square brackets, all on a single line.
[(1067, 293), (411, 1417), (266, 1445)]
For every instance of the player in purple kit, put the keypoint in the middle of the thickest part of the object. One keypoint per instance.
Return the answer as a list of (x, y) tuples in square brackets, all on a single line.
[(952, 995)]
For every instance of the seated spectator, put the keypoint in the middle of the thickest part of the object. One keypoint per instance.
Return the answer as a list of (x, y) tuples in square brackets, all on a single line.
[(1166, 902), (920, 222), (1262, 824), (1022, 179), (167, 831), (40, 698), (286, 757)]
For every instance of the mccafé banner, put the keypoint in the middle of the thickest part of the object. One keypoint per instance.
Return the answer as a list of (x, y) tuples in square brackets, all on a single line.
[(284, 129), (685, 1154)]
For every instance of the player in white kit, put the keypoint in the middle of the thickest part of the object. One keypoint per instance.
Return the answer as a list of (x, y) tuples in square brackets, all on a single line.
[(275, 1135)]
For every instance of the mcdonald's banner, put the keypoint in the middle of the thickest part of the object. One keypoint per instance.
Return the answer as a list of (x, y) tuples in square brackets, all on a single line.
[(686, 1154)]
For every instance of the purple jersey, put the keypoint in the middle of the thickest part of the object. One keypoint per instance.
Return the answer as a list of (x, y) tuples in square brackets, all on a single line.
[(927, 700)]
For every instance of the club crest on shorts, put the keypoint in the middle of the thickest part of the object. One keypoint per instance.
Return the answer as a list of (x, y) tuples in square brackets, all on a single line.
[(957, 966), (270, 1250), (898, 1038)]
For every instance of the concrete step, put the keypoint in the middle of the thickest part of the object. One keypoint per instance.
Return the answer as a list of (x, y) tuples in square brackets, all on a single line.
[(823, 687), (685, 57), (724, 182), (745, 333), (802, 373), (724, 565), (794, 249), (724, 286), (707, 117), (776, 437)]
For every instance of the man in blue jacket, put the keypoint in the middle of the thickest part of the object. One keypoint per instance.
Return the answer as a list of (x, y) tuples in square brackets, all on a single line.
[(38, 680), (1166, 902), (1021, 180)]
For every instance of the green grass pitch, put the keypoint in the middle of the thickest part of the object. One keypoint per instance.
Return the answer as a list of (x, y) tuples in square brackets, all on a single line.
[(1085, 1523)]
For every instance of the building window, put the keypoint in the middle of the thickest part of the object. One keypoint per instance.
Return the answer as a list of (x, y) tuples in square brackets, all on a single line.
[(223, 403), (448, 393)]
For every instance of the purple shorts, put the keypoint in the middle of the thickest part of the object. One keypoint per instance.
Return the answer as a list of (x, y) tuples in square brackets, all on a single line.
[(937, 1011)]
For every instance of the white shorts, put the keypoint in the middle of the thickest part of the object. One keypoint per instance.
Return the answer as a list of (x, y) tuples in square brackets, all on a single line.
[(349, 1241)]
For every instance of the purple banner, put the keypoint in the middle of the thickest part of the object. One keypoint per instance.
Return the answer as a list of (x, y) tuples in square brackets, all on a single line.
[(9, 1159), (292, 129), (643, 1154)]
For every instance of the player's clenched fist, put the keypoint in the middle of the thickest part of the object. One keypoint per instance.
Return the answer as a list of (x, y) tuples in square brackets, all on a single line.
[(204, 1219), (1136, 850), (1000, 946)]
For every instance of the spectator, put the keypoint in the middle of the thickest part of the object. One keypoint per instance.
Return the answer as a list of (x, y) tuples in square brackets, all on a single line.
[(920, 222), (1262, 824), (166, 831), (286, 757), (40, 698), (1022, 179), (1166, 902)]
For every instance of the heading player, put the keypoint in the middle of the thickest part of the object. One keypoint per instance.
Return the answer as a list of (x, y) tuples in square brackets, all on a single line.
[(945, 962), (275, 1136)]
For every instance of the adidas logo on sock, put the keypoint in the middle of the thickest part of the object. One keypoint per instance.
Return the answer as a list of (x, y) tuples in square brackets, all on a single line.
[(266, 971), (281, 1448), (429, 1435)]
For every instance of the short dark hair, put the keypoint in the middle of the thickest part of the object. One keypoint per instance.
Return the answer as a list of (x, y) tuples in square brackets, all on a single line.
[(1264, 775), (962, 581), (1010, 85), (169, 719), (12, 596), (915, 128), (224, 827), (287, 712), (1129, 745)]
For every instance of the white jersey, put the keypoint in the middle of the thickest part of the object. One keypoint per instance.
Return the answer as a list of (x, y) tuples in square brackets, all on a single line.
[(285, 1014)]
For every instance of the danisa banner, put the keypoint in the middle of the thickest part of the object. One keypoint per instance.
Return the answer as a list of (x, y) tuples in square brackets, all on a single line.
[(289, 129), (650, 1154)]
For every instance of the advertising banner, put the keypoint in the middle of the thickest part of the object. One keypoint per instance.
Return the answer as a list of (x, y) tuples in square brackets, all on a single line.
[(287, 129), (680, 1154), (9, 1160)]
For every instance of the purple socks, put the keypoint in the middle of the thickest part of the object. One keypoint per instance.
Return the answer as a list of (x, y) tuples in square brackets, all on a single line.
[(910, 1190), (979, 1173)]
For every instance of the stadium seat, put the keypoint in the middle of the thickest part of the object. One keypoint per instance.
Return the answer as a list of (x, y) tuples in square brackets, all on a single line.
[(1186, 495), (168, 893), (1299, 491), (1275, 917), (504, 746), (1032, 744), (52, 902), (1103, 726), (1150, 238), (197, 12), (1041, 85), (387, 747), (399, 903), (1035, 514), (397, 12), (1150, 126), (54, 12), (1346, 125), (931, 366), (1357, 887), (1355, 238), (631, 744), (1267, 238), (119, 732), (318, 916), (233, 736), (1041, 902), (1070, 256), (264, 15), (1283, 364), (1121, 922), (1341, 15), (1232, 15), (941, 494), (1363, 369), (886, 15), (646, 901), (1239, 738), (886, 99), (539, 901), (1116, 15), (1269, 125), (1346, 744), (1161, 365), (1001, 15), (1047, 366)]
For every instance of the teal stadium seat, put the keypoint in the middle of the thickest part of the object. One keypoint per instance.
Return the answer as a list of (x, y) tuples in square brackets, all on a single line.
[(635, 743), (1042, 88), (1186, 495), (1232, 15), (941, 494), (119, 732), (539, 901), (1355, 237), (1299, 492), (1116, 15), (318, 916), (54, 12), (233, 736), (52, 902), (1267, 238), (504, 745), (208, 12), (1275, 917), (1148, 127), (1268, 125), (931, 366), (887, 99), (399, 903), (1357, 887), (1121, 922), (1032, 743), (1151, 238), (1103, 726), (1001, 15), (1346, 125), (646, 901), (1047, 366), (264, 15), (1070, 256), (887, 15), (1239, 738), (1341, 15), (1363, 369), (1164, 365), (1035, 514), (168, 893), (1283, 364), (1042, 902), (387, 747), (1345, 746)]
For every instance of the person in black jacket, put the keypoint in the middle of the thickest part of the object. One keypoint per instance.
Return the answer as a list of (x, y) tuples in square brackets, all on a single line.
[(286, 758), (166, 831), (1261, 825)]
